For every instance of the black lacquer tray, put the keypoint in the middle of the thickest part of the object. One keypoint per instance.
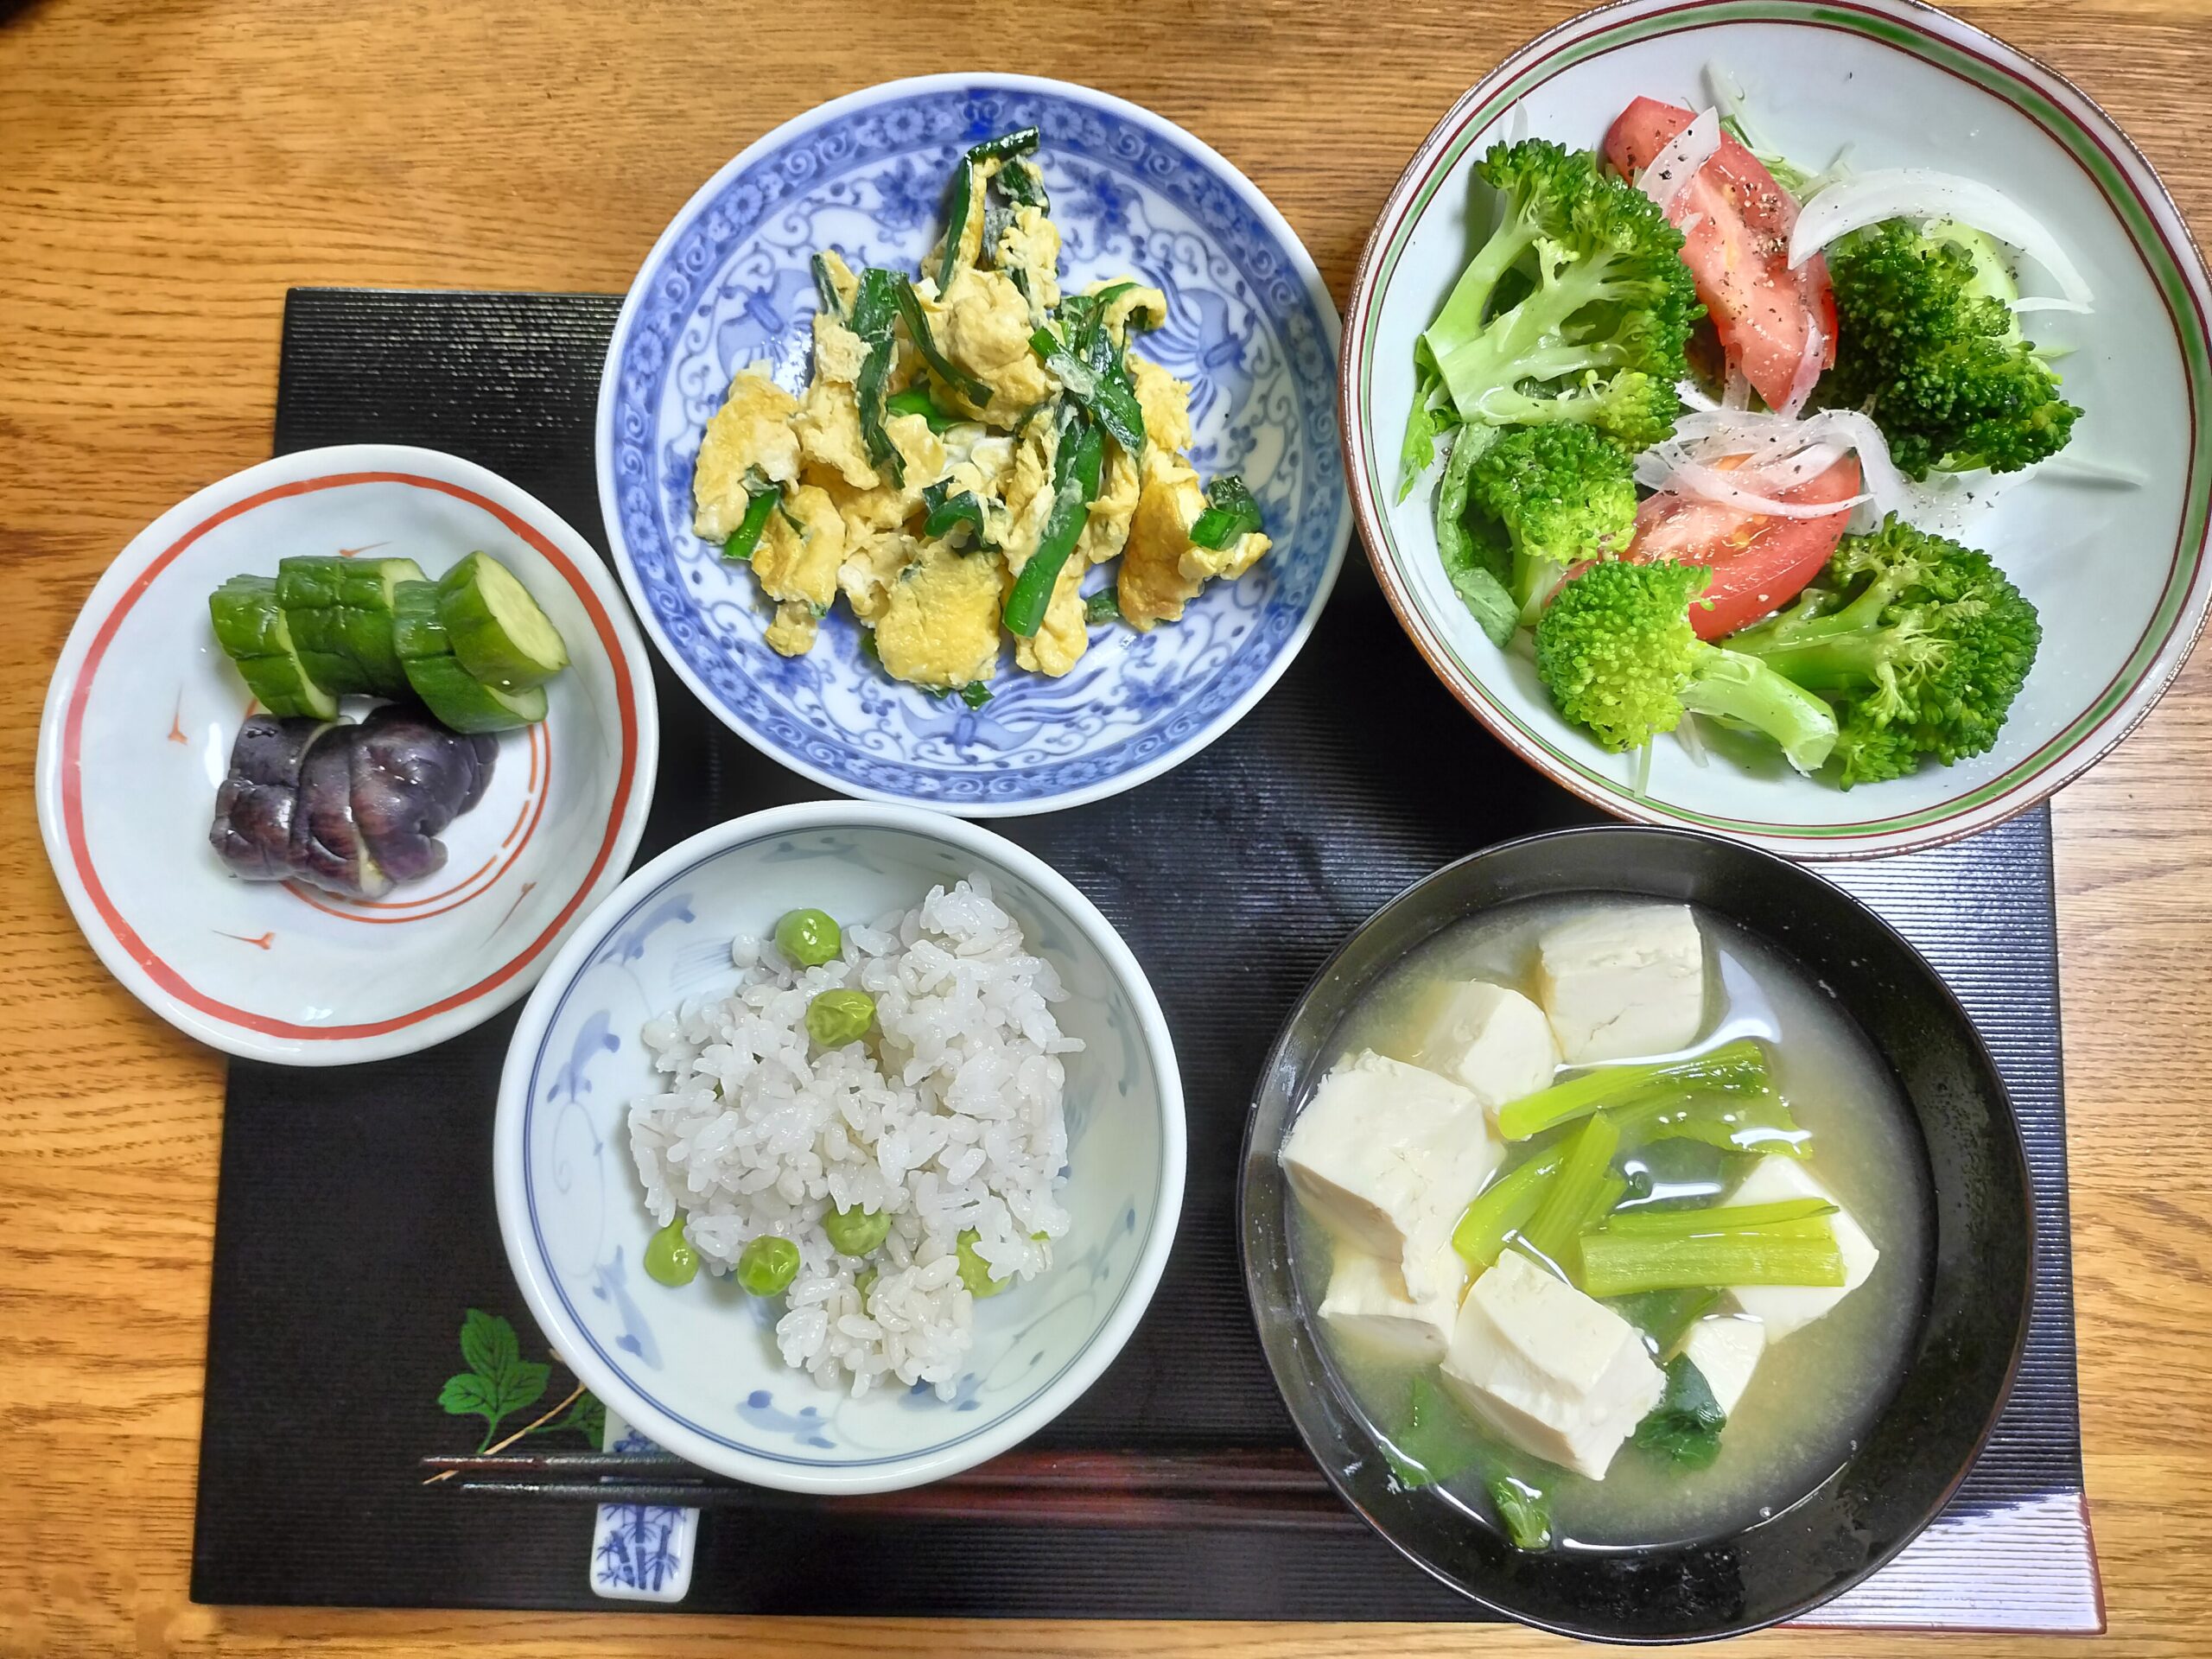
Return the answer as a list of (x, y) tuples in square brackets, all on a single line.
[(355, 1226)]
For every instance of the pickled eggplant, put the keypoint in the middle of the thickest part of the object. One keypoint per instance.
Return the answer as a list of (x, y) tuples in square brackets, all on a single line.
[(355, 810), (328, 849), (254, 808), (340, 612), (410, 779), (249, 626)]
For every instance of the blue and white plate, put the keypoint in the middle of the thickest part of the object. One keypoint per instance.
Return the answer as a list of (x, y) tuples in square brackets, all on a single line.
[(1251, 327)]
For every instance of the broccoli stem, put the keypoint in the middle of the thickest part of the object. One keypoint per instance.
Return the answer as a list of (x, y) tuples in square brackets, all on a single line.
[(1535, 581), (1746, 693), (1461, 319), (1845, 662), (1528, 342)]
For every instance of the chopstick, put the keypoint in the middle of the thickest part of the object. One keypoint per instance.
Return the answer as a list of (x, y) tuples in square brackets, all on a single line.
[(1272, 1488), (574, 1393)]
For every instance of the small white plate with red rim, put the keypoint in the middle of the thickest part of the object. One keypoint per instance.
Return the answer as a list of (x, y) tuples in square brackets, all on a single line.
[(137, 735)]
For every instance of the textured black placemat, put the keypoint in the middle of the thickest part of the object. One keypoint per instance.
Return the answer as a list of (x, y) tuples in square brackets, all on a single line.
[(354, 1221)]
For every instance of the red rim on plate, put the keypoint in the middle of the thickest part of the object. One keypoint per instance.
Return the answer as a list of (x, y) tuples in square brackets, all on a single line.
[(624, 823)]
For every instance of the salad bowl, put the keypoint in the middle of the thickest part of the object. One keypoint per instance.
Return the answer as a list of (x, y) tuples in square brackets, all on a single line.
[(1251, 327), (2106, 540)]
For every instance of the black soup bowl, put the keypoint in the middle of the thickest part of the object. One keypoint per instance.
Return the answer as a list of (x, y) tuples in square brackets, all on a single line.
[(1976, 1301)]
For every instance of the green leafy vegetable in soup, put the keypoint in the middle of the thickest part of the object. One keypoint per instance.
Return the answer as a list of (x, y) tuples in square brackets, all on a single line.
[(1686, 1423)]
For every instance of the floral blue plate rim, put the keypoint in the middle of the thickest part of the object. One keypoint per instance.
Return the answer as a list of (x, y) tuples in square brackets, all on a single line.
[(672, 299)]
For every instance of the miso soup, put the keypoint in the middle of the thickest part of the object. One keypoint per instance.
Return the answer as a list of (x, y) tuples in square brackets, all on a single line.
[(1761, 1079)]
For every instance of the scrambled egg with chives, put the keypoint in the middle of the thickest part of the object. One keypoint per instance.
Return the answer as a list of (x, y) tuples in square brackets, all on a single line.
[(973, 442)]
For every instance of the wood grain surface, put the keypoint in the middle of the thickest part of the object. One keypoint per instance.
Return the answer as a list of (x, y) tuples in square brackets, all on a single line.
[(168, 170)]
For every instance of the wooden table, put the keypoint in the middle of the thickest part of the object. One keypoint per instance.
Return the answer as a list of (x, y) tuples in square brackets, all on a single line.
[(167, 170)]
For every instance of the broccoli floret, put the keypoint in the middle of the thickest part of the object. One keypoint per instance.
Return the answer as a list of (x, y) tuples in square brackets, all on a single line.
[(1615, 649), (1559, 495), (1921, 645), (1518, 507), (1576, 309), (1926, 348)]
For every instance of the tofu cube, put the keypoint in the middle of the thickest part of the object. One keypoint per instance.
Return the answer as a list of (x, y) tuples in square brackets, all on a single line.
[(1558, 1373), (1624, 982), (1785, 1308), (1494, 1040), (1387, 1155), (1725, 1351), (1368, 1305)]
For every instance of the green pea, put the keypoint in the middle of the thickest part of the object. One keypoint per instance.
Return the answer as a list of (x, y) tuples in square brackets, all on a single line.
[(670, 1259), (975, 1271), (808, 937), (864, 1281), (835, 1018), (767, 1265), (855, 1232)]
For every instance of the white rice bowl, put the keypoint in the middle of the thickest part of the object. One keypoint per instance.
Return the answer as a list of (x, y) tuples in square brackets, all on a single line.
[(948, 1115)]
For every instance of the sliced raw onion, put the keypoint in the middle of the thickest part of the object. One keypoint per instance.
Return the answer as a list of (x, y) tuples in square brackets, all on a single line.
[(1886, 488), (1679, 160), (1922, 193), (1774, 453), (1809, 364), (1691, 740), (1736, 394), (1711, 484), (1803, 468)]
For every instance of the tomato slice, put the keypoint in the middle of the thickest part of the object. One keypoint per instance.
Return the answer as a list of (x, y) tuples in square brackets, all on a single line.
[(1759, 563), (1769, 318)]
